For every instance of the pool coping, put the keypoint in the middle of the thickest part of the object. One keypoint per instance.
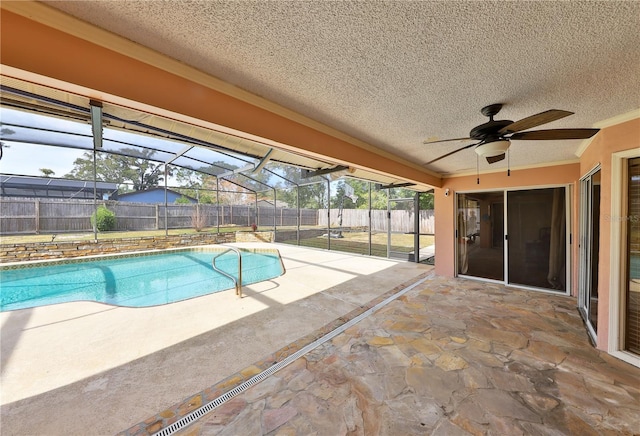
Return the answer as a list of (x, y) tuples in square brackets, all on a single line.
[(215, 248), (174, 413), (155, 251)]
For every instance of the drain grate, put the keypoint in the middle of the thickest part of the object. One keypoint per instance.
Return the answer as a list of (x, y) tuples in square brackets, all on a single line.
[(198, 413)]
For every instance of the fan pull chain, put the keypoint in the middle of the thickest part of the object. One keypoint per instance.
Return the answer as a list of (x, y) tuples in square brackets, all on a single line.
[(508, 163), (477, 169)]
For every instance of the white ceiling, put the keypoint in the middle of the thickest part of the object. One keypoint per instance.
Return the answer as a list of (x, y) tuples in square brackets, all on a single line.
[(394, 74)]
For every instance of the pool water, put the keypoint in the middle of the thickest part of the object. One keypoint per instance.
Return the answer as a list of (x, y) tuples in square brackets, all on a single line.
[(133, 281)]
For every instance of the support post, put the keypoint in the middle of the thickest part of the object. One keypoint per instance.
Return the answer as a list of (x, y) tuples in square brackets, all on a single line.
[(37, 211), (328, 214), (218, 204), (370, 220), (389, 223), (416, 227), (298, 217), (166, 207), (96, 128)]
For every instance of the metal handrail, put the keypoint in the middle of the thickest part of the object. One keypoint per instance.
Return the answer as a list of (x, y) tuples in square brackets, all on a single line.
[(236, 281)]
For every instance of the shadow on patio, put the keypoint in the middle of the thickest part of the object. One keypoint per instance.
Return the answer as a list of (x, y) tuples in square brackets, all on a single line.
[(449, 357)]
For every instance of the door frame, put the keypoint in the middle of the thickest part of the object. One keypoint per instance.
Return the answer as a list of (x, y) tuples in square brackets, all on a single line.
[(618, 237), (568, 241), (584, 247)]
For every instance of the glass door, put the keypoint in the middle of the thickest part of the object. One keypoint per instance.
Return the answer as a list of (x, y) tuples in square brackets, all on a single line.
[(589, 249), (521, 241), (480, 235), (632, 300), (537, 238)]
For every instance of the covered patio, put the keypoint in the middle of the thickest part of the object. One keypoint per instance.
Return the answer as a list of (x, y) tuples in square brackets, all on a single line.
[(419, 354), (391, 92)]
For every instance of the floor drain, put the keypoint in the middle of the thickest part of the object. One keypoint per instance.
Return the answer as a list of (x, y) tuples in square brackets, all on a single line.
[(198, 413)]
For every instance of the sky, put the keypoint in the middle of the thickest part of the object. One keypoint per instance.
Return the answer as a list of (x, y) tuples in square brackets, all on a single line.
[(28, 158)]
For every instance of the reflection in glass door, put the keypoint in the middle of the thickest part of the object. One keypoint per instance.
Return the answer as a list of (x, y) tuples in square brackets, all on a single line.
[(632, 300), (533, 222), (480, 235), (589, 248), (537, 238)]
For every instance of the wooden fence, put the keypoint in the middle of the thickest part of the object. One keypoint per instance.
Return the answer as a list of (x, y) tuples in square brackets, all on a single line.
[(401, 220), (29, 215)]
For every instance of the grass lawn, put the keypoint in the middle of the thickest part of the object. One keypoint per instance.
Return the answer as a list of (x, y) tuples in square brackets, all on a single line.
[(23, 239), (351, 242), (358, 242)]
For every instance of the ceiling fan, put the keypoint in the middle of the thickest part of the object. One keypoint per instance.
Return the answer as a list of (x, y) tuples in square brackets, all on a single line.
[(495, 136)]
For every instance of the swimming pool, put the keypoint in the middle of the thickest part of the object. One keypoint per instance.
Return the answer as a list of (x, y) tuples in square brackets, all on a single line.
[(135, 279)]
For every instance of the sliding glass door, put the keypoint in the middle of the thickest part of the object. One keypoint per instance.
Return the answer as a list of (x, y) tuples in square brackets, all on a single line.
[(480, 235), (632, 291), (537, 238), (589, 249), (517, 237)]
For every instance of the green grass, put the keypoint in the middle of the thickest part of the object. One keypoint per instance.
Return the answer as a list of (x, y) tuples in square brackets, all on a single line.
[(24, 239), (359, 243), (352, 242)]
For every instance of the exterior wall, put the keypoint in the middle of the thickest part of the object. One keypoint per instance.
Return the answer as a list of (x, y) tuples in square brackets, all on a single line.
[(152, 196), (621, 137), (520, 178)]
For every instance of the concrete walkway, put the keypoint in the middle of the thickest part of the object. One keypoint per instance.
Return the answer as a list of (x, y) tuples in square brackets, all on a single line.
[(452, 357), (91, 369)]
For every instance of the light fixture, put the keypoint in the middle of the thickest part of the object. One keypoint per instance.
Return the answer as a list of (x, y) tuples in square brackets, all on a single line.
[(493, 148)]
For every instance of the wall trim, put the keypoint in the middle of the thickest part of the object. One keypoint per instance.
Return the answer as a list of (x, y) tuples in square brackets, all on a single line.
[(618, 119), (504, 170), (617, 257)]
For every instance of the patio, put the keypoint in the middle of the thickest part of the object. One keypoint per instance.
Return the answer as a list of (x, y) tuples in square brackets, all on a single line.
[(450, 356)]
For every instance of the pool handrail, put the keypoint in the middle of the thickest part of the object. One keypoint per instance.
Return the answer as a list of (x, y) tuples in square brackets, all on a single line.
[(237, 281)]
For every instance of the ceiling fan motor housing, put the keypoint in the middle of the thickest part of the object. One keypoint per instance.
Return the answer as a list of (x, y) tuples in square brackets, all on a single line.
[(489, 129)]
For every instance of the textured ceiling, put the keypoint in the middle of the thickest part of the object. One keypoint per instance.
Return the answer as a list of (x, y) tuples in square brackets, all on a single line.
[(397, 73)]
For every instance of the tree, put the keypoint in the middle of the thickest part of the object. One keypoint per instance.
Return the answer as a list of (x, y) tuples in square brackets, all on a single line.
[(5, 132), (46, 172), (378, 196), (311, 196), (233, 189), (136, 170)]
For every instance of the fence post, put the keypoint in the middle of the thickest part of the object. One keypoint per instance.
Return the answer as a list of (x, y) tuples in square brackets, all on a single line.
[(37, 211), (157, 217)]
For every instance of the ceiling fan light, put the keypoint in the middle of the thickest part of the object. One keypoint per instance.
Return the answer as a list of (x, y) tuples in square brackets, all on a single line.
[(494, 148)]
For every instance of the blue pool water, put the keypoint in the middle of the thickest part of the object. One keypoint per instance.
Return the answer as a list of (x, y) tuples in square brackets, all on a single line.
[(133, 281)]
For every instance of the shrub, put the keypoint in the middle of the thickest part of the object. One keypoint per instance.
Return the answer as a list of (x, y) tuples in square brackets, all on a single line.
[(103, 219), (198, 219)]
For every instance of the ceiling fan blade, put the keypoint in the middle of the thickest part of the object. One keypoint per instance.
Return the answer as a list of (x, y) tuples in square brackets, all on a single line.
[(556, 134), (494, 159), (535, 120), (446, 140), (452, 152)]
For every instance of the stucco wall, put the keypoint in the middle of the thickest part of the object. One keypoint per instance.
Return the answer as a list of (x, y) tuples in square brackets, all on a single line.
[(445, 205), (621, 137), (624, 136)]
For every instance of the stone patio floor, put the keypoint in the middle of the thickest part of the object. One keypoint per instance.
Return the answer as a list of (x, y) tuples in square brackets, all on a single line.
[(450, 357)]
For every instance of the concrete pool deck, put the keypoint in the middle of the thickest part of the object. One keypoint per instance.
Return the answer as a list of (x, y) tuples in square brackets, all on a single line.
[(89, 368)]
